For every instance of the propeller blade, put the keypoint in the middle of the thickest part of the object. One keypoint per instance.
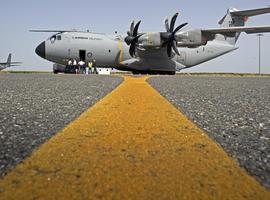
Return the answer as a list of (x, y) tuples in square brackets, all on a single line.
[(137, 37), (174, 45), (167, 27), (179, 27), (135, 31), (169, 50), (128, 40), (132, 28), (133, 43), (133, 37), (173, 22), (132, 50)]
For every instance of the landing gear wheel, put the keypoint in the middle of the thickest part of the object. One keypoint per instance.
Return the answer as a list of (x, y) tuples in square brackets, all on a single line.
[(171, 73)]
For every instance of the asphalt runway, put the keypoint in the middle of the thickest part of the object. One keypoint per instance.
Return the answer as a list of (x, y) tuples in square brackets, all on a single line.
[(132, 144), (35, 106), (234, 111)]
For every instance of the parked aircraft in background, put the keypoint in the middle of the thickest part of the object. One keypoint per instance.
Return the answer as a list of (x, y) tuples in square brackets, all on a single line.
[(153, 52), (4, 65)]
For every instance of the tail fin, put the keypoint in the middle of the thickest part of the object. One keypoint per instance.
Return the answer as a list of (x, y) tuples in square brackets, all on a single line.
[(9, 60), (235, 18)]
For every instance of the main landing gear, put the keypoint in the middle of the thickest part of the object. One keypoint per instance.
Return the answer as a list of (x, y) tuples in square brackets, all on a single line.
[(154, 72)]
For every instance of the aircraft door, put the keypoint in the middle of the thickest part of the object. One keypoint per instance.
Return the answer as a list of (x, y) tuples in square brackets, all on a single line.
[(82, 55)]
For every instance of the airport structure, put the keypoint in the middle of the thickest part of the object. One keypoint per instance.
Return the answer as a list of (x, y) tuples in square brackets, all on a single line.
[(152, 52)]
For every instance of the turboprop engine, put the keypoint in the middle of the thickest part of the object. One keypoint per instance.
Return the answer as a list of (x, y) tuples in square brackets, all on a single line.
[(171, 39), (163, 39), (150, 40), (190, 39)]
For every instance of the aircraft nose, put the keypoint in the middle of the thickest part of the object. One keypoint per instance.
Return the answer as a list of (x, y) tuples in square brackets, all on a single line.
[(40, 50)]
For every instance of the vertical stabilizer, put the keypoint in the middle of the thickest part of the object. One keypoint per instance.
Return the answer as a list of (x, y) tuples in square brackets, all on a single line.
[(236, 18), (9, 60), (231, 20)]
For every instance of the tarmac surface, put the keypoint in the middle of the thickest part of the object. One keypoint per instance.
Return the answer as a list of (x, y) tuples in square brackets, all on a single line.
[(234, 111), (132, 144), (61, 140), (34, 107)]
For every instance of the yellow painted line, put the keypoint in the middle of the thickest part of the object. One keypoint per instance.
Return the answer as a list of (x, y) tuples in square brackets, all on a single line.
[(133, 144)]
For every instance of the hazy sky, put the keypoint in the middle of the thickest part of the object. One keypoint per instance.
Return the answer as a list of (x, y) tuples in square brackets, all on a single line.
[(17, 17)]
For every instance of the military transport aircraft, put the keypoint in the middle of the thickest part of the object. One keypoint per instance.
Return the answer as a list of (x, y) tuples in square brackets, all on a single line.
[(4, 65), (153, 52)]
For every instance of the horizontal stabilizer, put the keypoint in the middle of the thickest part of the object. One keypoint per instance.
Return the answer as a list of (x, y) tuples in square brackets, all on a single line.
[(250, 13)]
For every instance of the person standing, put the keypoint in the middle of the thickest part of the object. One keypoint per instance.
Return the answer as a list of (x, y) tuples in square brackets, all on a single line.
[(69, 66), (94, 66), (74, 62), (90, 65), (81, 67), (69, 62), (86, 69), (75, 66)]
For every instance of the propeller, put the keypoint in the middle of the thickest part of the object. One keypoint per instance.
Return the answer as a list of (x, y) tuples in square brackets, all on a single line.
[(133, 37), (169, 36)]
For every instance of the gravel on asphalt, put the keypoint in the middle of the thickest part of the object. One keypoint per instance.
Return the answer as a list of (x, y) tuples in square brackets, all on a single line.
[(234, 111), (33, 107)]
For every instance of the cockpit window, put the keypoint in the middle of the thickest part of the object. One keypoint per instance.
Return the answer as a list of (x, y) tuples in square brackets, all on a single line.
[(52, 38), (55, 37)]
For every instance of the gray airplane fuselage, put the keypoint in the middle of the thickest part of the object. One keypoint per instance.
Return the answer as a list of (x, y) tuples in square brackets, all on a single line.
[(110, 51)]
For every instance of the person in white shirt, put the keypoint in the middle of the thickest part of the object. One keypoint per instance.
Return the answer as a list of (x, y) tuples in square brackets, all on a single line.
[(75, 65), (69, 62), (75, 62), (69, 66), (81, 66)]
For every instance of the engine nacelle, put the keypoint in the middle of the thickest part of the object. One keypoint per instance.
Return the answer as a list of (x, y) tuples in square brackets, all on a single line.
[(151, 40), (191, 39)]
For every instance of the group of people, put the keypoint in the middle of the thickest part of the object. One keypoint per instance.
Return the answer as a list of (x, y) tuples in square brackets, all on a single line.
[(81, 67)]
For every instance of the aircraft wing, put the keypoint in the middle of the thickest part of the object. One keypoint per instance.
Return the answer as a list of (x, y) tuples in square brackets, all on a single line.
[(231, 31), (52, 31)]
